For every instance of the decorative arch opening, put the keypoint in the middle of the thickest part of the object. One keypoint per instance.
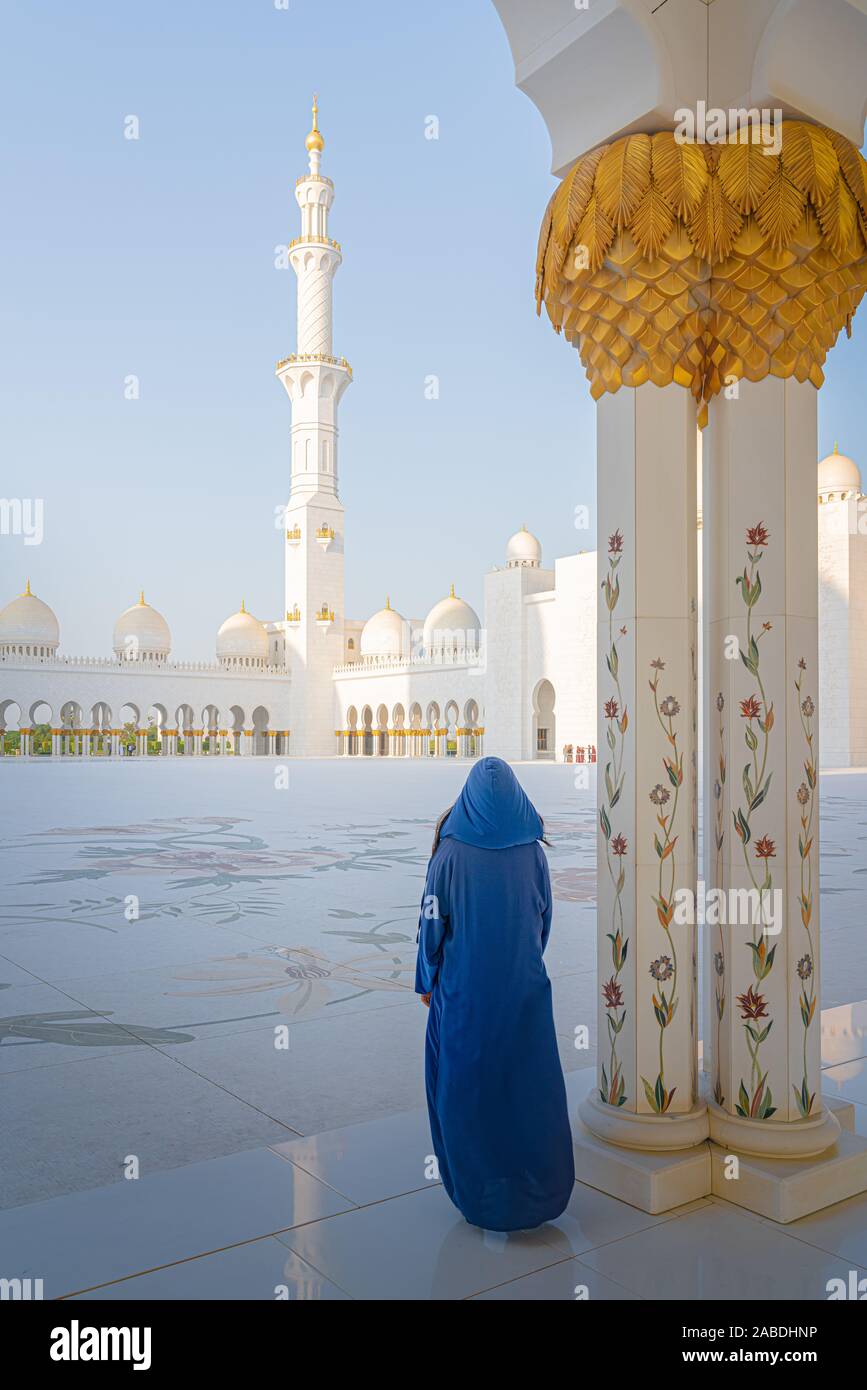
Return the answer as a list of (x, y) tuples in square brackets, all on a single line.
[(352, 740), (10, 728), (398, 737), (367, 731), (451, 727), (211, 725), (261, 724), (433, 720), (129, 722), (544, 722), (382, 731)]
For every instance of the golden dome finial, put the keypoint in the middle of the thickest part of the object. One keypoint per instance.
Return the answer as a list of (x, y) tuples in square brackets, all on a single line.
[(451, 591), (141, 598), (387, 601), (314, 140), (27, 589), (243, 605), (836, 449)]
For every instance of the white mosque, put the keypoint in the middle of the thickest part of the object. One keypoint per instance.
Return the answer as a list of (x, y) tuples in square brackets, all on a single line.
[(316, 683)]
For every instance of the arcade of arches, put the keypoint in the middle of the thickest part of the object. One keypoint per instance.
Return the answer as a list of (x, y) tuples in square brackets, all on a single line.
[(436, 732), (131, 731)]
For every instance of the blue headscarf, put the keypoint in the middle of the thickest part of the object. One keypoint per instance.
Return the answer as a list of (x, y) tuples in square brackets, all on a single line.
[(493, 811)]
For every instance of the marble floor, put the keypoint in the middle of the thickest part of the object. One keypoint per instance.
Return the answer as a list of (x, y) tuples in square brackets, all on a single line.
[(211, 1055)]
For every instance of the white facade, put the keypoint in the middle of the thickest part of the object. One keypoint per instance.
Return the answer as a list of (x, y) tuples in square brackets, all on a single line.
[(520, 683)]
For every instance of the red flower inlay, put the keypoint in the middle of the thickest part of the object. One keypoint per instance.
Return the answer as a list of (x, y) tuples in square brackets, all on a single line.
[(758, 534), (613, 994), (750, 708), (752, 1004)]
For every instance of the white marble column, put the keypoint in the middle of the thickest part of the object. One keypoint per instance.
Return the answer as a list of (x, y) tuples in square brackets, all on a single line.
[(646, 1094), (761, 809)]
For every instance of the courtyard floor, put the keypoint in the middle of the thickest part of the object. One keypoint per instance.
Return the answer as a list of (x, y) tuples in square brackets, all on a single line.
[(211, 1054)]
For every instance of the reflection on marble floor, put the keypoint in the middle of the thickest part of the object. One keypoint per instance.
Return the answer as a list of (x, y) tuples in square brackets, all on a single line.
[(164, 931), (165, 926), (355, 1213)]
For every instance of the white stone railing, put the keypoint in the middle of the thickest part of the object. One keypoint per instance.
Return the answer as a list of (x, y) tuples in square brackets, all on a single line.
[(136, 667), (391, 665)]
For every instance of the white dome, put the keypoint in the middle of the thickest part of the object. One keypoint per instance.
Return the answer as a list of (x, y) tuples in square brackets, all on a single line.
[(385, 633), (242, 639), (141, 633), (523, 549), (451, 625), (837, 473), (28, 622)]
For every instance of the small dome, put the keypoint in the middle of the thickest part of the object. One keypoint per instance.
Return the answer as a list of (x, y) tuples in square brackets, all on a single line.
[(242, 640), (451, 625), (28, 622), (523, 549), (142, 634), (837, 473), (385, 633)]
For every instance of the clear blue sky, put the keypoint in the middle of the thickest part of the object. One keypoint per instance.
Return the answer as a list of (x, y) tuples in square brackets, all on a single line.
[(156, 258)]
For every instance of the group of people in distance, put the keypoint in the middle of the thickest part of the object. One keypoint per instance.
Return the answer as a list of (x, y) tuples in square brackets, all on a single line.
[(579, 753)]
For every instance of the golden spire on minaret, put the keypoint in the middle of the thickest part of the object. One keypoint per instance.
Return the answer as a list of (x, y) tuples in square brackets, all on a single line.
[(314, 140)]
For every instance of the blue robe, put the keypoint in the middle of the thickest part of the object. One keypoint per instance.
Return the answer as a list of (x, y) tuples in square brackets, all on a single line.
[(495, 1090)]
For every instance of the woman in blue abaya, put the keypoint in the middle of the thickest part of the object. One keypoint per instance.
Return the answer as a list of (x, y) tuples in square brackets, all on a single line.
[(495, 1089)]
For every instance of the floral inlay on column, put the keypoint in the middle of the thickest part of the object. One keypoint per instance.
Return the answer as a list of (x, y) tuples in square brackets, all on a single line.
[(806, 795), (664, 968), (756, 1102), (719, 960), (613, 1088)]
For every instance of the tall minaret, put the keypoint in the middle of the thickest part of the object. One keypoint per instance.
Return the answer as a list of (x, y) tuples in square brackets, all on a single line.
[(315, 380)]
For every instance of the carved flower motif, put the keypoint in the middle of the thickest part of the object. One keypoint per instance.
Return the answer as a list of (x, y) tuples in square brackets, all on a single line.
[(808, 707), (618, 845), (765, 848), (612, 709), (659, 795), (615, 544), (670, 707), (805, 967)]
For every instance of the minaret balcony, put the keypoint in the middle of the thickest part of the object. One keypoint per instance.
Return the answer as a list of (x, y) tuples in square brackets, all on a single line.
[(296, 359), (315, 241), (324, 536), (293, 616), (293, 537), (313, 178), (325, 617)]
